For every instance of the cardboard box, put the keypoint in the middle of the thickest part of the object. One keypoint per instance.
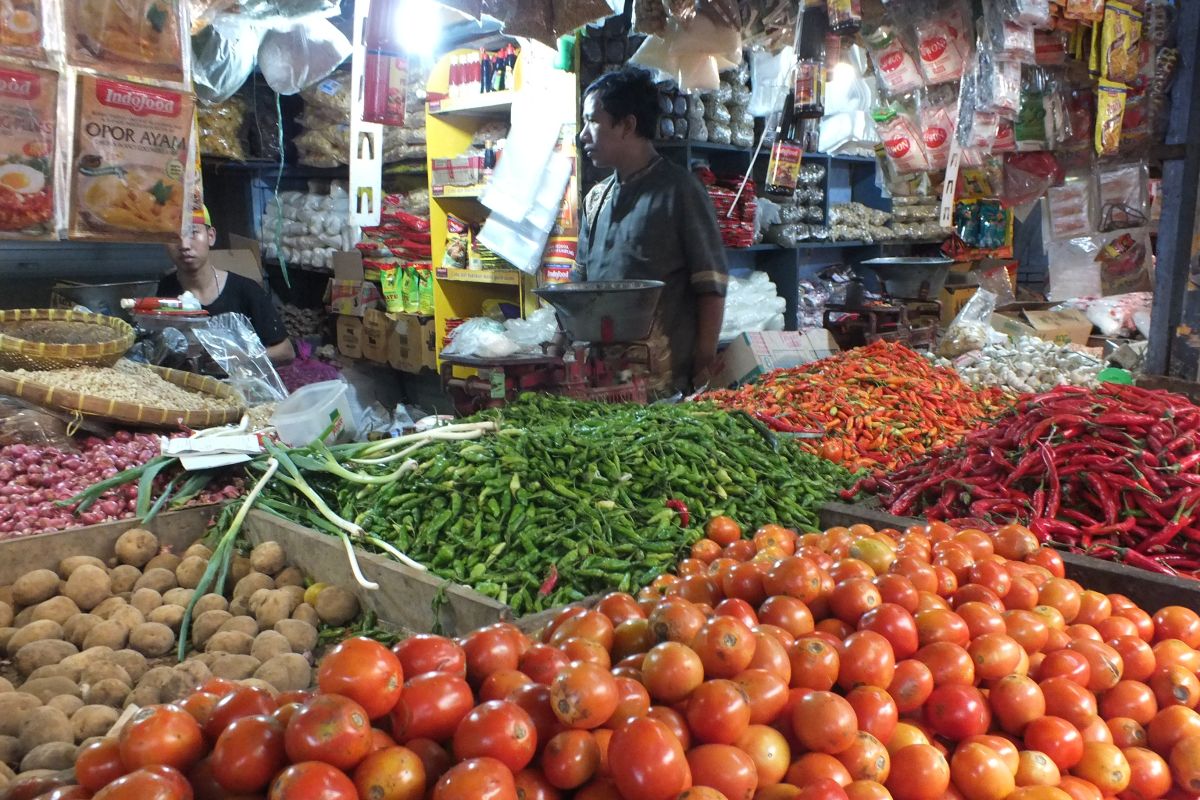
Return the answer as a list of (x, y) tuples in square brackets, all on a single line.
[(377, 326), (953, 298), (350, 294), (350, 336), (1066, 326), (411, 343), (244, 257), (754, 354), (1010, 326)]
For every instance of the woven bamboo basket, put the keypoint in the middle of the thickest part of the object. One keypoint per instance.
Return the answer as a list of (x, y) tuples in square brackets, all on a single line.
[(115, 338), (135, 413)]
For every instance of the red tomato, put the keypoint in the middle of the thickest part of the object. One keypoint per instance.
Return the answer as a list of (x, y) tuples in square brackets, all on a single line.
[(1105, 766), (434, 758), (426, 652), (1150, 777), (571, 759), (723, 530), (1057, 738), (875, 710), (200, 705), (979, 773), (499, 730), (725, 646), (647, 761), (329, 728), (366, 672), (956, 711), (1016, 701), (584, 695), (619, 607), (766, 692), (99, 764), (431, 707), (718, 712), (147, 784), (724, 768), (911, 685), (312, 780), (824, 722), (243, 701), (476, 779), (769, 751), (866, 660), (394, 773), (165, 735), (531, 784), (489, 650), (542, 663), (248, 754), (925, 774), (894, 624)]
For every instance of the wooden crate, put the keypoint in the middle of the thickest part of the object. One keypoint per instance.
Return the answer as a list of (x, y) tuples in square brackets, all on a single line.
[(1149, 590)]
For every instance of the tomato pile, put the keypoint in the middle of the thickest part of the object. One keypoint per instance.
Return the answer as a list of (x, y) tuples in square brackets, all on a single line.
[(850, 665)]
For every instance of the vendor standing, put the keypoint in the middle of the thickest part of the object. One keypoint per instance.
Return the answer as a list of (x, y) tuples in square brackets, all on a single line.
[(221, 292), (652, 220)]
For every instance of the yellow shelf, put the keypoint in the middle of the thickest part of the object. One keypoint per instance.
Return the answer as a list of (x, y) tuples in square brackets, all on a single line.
[(499, 103), (498, 277), (457, 191)]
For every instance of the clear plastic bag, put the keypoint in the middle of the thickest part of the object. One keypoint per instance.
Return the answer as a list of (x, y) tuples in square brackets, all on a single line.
[(25, 423), (894, 65), (480, 336), (1070, 209), (278, 10), (1121, 191), (232, 343), (300, 55), (223, 56), (221, 127), (972, 328)]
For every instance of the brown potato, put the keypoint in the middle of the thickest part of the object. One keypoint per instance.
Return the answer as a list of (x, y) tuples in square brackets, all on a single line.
[(123, 578), (132, 662), (104, 670), (136, 547), (210, 602), (15, 707), (152, 639), (41, 654), (66, 669), (109, 607), (290, 576), (269, 644), (171, 616), (146, 600), (10, 750), (239, 569), (306, 613), (70, 563), (93, 720), (206, 624), (51, 755), (86, 658), (5, 635), (295, 593), (171, 685), (168, 561), (234, 667), (108, 692), (268, 558), (178, 597), (66, 703), (45, 724), (286, 672), (5, 685), (190, 571), (46, 688), (60, 609), (301, 635), (276, 605), (33, 632), (250, 584), (196, 670), (88, 586), (34, 587), (336, 606), (233, 642), (76, 629), (109, 633), (157, 578), (245, 625), (199, 550), (6, 615)]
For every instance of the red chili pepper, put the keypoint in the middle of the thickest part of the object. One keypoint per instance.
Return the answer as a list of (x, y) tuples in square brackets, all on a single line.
[(551, 580), (680, 508)]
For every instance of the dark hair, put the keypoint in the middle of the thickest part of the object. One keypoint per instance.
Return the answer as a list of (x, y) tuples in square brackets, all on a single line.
[(629, 92)]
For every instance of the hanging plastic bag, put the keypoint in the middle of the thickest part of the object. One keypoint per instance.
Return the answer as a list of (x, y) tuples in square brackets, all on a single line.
[(1027, 176), (302, 54), (971, 328), (1121, 191), (897, 71), (936, 113), (274, 11), (231, 342), (942, 44), (902, 140), (1070, 209), (223, 56)]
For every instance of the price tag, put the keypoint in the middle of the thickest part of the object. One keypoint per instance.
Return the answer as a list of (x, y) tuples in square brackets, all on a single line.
[(497, 379)]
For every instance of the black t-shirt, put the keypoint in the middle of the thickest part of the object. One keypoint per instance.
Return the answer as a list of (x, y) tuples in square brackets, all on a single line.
[(240, 295)]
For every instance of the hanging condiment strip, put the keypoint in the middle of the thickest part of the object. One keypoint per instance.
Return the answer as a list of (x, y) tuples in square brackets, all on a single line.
[(28, 108)]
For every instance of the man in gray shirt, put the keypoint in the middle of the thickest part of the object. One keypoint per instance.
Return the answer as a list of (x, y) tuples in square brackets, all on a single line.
[(652, 220)]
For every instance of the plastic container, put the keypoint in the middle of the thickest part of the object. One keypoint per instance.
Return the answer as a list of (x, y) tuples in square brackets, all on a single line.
[(302, 417)]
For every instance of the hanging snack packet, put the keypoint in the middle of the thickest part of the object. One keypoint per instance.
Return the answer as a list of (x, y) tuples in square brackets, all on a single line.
[(845, 16), (902, 141), (936, 113), (1120, 42), (1110, 115), (411, 289), (128, 37), (458, 243), (1069, 208), (1030, 126), (1085, 10), (28, 107), (390, 284), (23, 27), (129, 177), (424, 289), (942, 45), (897, 72), (998, 85)]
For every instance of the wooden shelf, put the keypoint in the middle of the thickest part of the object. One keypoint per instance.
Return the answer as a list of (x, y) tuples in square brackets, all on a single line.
[(497, 103), (497, 277)]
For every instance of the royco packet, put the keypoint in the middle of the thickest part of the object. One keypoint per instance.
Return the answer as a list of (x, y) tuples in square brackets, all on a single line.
[(130, 175), (28, 108), (128, 37)]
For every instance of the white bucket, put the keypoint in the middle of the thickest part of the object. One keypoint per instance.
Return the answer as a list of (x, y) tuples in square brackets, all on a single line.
[(303, 416)]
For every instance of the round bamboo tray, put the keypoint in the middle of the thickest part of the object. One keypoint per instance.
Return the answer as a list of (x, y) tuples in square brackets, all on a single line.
[(19, 353), (135, 413)]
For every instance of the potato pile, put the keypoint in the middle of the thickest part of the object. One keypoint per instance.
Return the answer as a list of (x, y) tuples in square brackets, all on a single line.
[(88, 639)]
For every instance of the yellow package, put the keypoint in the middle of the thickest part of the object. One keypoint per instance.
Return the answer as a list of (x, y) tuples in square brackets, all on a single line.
[(1095, 47), (130, 177), (28, 107), (23, 28), (1110, 114), (127, 37), (1085, 10), (1121, 42)]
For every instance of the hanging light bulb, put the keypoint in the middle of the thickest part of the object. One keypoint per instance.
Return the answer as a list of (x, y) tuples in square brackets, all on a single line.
[(419, 23)]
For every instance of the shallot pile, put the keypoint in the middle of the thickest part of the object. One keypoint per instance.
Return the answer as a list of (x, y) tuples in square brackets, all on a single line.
[(34, 479)]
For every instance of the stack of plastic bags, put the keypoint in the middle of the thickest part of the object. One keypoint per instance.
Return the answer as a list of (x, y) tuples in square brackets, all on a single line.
[(751, 304), (307, 228)]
